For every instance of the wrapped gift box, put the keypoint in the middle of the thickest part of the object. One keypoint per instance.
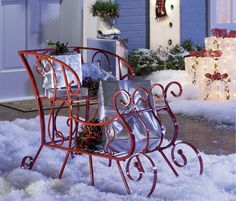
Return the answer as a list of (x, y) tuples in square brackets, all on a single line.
[(217, 90), (197, 67), (61, 93), (72, 60), (226, 45)]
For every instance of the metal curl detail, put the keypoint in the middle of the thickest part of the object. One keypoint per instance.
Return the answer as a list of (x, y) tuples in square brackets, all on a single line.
[(105, 55), (110, 134), (52, 122), (40, 68), (138, 165), (172, 92), (183, 157), (120, 98), (144, 96), (27, 162), (60, 135), (154, 93)]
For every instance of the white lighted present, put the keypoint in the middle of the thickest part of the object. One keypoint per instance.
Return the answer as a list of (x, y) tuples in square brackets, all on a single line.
[(226, 45), (213, 88)]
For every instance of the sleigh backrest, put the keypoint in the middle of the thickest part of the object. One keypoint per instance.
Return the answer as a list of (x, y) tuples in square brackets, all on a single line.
[(53, 74)]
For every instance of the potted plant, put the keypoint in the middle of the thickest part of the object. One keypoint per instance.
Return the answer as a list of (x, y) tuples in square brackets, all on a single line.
[(59, 48), (106, 12)]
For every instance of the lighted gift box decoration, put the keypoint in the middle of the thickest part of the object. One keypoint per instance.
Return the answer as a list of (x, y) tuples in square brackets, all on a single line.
[(214, 69)]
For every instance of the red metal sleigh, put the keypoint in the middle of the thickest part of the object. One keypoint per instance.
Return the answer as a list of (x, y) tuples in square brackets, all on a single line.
[(138, 104)]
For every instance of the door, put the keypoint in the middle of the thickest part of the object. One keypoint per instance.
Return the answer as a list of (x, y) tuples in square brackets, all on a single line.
[(223, 14), (164, 31), (27, 24)]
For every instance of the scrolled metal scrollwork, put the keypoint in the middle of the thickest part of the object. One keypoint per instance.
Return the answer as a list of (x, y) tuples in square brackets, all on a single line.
[(183, 156), (123, 98), (173, 93), (99, 60), (56, 136), (110, 134), (27, 162), (140, 96), (153, 90), (137, 164)]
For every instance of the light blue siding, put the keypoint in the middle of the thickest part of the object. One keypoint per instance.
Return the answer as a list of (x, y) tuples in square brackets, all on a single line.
[(133, 22), (193, 20)]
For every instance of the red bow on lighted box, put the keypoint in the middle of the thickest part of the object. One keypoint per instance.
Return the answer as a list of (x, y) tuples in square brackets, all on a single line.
[(223, 33), (232, 34), (205, 53), (216, 76)]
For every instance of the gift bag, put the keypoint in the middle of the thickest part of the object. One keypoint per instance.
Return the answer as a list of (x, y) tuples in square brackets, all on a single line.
[(117, 137)]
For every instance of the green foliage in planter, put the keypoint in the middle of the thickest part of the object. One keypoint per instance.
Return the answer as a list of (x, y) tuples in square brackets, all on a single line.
[(60, 48), (105, 9)]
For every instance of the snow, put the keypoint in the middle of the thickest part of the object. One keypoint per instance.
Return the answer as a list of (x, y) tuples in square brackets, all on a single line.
[(191, 104), (21, 137)]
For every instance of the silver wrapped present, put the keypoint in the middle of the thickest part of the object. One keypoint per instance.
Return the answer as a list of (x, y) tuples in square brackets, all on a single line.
[(118, 133), (94, 70), (73, 60), (61, 93)]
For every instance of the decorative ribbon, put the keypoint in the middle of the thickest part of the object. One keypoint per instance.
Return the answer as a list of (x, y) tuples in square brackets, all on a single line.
[(216, 76), (161, 10), (205, 53), (232, 34), (223, 33), (219, 32)]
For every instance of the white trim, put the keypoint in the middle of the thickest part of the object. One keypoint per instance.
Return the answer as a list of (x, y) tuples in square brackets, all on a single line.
[(89, 22), (17, 99), (4, 2)]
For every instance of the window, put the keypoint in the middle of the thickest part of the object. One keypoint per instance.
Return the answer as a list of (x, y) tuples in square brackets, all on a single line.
[(222, 14)]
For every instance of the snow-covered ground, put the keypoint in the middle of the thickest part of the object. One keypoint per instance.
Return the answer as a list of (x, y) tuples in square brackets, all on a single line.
[(21, 137), (191, 104)]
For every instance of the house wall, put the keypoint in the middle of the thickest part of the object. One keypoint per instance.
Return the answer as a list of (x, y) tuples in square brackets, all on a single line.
[(134, 22), (193, 23)]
